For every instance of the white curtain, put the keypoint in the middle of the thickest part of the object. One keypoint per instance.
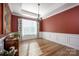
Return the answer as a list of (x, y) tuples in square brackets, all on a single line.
[(20, 27), (27, 29)]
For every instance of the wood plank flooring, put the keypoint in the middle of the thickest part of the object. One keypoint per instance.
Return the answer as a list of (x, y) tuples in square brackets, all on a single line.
[(42, 47)]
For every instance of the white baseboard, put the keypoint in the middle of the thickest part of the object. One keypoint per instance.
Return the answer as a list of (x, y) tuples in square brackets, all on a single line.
[(70, 40)]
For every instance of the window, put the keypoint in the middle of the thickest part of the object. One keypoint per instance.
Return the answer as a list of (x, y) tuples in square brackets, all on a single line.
[(29, 27)]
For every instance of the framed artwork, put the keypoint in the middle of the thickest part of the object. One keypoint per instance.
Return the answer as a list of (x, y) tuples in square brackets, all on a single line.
[(7, 18)]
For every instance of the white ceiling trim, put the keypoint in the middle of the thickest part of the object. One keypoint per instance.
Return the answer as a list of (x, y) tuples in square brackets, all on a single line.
[(60, 9), (25, 17), (17, 10)]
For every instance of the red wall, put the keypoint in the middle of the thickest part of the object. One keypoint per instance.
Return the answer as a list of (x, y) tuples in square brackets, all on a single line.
[(65, 22), (14, 23), (12, 20), (1, 18)]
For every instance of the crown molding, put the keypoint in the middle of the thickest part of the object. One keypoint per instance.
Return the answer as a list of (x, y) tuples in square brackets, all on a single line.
[(63, 8)]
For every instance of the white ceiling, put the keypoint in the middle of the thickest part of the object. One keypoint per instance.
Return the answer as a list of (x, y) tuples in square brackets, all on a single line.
[(45, 9)]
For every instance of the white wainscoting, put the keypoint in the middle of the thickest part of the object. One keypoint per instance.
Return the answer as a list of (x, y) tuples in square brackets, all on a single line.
[(71, 40)]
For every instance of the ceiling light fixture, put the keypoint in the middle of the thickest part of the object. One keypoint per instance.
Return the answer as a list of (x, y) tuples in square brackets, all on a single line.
[(38, 11), (38, 18)]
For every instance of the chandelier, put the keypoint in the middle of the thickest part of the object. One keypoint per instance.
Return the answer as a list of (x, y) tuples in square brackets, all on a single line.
[(38, 11)]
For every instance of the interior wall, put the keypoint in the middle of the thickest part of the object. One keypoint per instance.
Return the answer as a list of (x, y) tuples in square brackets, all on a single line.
[(8, 22), (14, 23), (65, 22), (62, 28), (1, 18), (12, 20)]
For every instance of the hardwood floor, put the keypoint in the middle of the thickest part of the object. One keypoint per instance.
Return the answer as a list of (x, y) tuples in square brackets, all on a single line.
[(42, 47)]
